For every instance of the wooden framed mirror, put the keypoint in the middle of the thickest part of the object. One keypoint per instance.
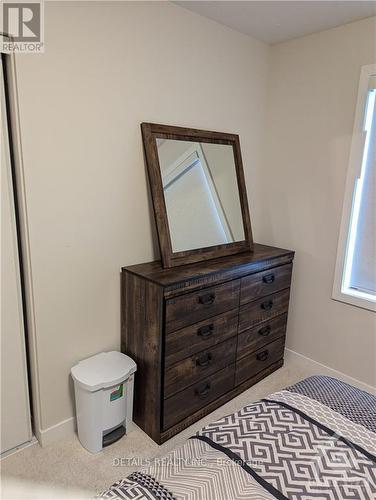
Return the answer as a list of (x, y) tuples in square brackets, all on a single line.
[(199, 195)]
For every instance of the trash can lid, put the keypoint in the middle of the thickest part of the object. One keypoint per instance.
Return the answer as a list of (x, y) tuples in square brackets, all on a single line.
[(103, 370)]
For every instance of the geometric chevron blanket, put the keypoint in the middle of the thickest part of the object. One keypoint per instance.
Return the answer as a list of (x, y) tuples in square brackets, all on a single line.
[(313, 440)]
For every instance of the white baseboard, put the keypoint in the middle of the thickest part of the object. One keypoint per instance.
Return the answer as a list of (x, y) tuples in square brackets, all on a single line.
[(63, 430), (66, 429), (319, 369)]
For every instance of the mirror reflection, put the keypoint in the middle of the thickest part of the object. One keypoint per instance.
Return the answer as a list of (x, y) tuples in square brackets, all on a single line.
[(201, 193)]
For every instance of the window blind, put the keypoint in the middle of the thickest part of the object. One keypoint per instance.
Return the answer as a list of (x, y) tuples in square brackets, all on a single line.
[(363, 265)]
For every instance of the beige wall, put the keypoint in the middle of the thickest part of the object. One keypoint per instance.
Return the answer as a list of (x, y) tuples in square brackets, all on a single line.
[(81, 104), (312, 98), (108, 67)]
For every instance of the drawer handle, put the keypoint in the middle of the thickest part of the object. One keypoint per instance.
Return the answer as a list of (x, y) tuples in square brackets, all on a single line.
[(207, 299), (203, 391), (266, 306), (268, 279), (205, 331), (265, 331), (204, 360), (262, 356)]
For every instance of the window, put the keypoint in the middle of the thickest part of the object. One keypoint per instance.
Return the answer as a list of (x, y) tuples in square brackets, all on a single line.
[(355, 277)]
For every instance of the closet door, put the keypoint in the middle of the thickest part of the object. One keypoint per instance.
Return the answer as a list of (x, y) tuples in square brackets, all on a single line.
[(15, 410)]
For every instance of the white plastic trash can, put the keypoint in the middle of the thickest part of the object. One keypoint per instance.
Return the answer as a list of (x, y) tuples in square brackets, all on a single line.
[(104, 398)]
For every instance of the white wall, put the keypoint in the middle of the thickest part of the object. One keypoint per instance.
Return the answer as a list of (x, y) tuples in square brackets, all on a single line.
[(108, 67), (312, 99)]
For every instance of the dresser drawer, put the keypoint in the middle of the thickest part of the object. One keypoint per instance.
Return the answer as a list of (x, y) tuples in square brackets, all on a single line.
[(264, 283), (200, 336), (195, 306), (263, 309), (264, 333), (193, 369), (186, 402), (254, 363)]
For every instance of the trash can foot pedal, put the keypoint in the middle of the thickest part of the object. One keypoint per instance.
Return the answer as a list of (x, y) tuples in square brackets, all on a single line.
[(113, 436)]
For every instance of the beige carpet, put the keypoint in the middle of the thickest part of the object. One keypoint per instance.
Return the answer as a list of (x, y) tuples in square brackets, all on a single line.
[(67, 470)]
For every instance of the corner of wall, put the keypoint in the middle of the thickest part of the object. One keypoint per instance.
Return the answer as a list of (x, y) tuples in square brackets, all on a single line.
[(63, 430)]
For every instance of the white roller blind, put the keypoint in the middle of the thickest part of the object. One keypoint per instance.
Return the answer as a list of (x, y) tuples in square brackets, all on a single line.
[(363, 266)]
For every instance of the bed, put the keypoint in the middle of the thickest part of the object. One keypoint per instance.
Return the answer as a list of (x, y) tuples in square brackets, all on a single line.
[(313, 440)]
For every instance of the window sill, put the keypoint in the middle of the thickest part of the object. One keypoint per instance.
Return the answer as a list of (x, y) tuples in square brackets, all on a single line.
[(356, 298)]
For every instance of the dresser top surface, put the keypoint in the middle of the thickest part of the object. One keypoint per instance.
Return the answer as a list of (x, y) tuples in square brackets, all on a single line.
[(154, 271)]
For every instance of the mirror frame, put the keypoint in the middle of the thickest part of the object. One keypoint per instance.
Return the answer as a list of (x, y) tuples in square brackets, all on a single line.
[(152, 131)]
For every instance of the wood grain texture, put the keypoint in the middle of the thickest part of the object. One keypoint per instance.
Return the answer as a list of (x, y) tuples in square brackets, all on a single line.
[(142, 319), (198, 366), (263, 309), (251, 365), (167, 330), (185, 278), (202, 304), (200, 336), (255, 338), (197, 415), (152, 131), (196, 396), (264, 283)]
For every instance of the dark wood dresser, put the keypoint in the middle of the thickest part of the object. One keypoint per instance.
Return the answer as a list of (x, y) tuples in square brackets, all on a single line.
[(202, 333)]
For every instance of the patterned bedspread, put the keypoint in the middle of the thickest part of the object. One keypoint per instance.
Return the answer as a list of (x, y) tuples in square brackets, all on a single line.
[(314, 440)]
